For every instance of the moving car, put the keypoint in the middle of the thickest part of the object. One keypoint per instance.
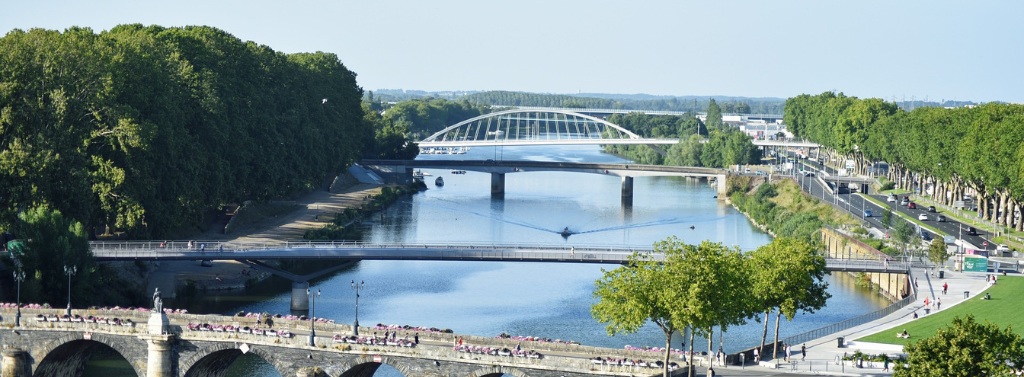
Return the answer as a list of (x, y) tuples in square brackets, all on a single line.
[(931, 208), (867, 213), (940, 218), (912, 205), (891, 199), (922, 217), (904, 201), (971, 231)]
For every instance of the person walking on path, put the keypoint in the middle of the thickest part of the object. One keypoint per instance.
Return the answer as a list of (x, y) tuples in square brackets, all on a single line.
[(945, 287), (789, 352), (803, 352), (938, 303), (757, 356)]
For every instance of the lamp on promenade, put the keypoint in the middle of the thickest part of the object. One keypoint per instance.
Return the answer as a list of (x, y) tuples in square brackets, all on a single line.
[(357, 288), (19, 276), (69, 271), (312, 316)]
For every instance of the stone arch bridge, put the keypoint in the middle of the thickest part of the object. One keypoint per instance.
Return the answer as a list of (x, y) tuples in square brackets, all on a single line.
[(45, 343)]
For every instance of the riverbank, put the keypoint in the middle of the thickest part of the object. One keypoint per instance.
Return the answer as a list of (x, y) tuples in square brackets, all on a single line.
[(312, 211)]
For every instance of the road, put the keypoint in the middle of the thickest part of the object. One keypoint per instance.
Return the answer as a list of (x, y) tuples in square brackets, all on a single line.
[(856, 205)]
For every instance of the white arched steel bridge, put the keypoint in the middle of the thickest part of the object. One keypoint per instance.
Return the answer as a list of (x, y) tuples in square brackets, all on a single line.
[(548, 127)]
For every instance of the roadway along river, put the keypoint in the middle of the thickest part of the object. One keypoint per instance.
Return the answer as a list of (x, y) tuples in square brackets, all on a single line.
[(550, 300)]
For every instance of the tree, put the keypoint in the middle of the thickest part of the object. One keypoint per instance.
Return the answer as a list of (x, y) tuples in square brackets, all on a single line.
[(937, 252), (714, 116), (638, 292), (690, 288), (53, 241), (965, 348), (787, 275)]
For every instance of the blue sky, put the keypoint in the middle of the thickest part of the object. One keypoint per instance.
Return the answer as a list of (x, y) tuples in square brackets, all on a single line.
[(887, 49)]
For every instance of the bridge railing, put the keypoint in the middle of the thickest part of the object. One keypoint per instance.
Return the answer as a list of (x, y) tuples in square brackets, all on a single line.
[(867, 265)]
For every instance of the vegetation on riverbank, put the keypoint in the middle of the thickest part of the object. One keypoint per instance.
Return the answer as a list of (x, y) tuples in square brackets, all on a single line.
[(782, 208), (342, 226)]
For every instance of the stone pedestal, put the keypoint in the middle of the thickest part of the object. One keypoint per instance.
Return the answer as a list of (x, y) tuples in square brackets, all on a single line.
[(15, 364), (158, 324)]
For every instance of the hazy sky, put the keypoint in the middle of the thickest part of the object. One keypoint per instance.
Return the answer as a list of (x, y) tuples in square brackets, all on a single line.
[(964, 50)]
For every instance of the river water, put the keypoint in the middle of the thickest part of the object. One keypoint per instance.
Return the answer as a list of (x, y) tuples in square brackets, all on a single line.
[(550, 300)]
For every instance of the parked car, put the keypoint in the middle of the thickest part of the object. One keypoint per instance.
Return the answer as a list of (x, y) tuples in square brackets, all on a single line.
[(931, 208), (971, 231), (912, 205), (867, 213), (940, 218), (922, 217)]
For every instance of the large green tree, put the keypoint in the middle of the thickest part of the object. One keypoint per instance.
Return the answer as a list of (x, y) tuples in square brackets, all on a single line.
[(642, 291), (787, 277), (687, 288), (965, 348)]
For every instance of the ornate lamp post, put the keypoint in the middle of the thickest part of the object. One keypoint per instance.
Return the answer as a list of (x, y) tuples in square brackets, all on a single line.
[(357, 288), (19, 276), (70, 271), (312, 315)]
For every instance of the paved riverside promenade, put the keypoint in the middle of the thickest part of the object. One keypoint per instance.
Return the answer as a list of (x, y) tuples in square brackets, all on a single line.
[(824, 355)]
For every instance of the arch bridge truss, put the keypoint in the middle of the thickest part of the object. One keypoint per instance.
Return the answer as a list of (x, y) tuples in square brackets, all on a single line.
[(534, 127)]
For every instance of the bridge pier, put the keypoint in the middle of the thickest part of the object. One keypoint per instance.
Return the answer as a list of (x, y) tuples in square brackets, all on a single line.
[(722, 186), (627, 189), (497, 184), (158, 362), (15, 364), (300, 300)]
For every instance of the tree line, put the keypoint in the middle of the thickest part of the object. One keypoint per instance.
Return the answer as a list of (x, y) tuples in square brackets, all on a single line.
[(703, 144), (946, 154), (692, 104), (147, 130)]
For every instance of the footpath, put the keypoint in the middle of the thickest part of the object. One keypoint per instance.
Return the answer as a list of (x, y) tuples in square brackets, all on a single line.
[(824, 355), (312, 211)]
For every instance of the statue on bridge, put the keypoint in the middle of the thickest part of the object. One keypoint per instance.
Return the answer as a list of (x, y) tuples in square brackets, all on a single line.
[(158, 303)]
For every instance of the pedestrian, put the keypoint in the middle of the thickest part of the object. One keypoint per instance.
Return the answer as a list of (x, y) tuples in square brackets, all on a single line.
[(803, 352), (416, 338), (885, 364), (789, 352), (460, 340), (945, 287), (757, 356), (926, 302), (938, 303)]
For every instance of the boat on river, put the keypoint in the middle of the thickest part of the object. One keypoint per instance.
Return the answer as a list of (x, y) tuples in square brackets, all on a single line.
[(439, 182)]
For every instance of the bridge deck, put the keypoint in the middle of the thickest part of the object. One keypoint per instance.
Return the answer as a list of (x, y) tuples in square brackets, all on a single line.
[(442, 252)]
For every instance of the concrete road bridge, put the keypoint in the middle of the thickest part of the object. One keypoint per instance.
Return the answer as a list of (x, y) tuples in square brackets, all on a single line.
[(399, 170)]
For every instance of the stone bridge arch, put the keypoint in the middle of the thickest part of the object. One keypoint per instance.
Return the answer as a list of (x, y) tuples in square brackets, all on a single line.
[(497, 371), (365, 366), (57, 356), (201, 359)]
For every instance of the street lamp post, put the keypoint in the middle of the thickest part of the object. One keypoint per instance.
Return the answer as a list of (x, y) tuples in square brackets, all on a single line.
[(312, 315), (19, 276), (357, 288), (70, 271)]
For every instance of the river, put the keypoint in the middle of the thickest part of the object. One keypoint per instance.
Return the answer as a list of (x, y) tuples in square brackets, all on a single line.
[(550, 300)]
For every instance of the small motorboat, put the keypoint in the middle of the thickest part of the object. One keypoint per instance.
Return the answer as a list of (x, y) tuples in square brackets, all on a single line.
[(439, 182)]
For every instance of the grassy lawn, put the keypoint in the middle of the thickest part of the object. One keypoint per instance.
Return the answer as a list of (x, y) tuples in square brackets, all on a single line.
[(1003, 310)]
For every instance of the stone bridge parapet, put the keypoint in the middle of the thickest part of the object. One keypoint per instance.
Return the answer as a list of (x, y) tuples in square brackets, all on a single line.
[(45, 344)]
